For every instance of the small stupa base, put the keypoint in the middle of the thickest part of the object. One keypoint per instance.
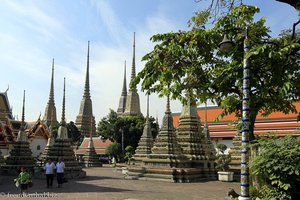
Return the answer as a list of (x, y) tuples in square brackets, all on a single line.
[(91, 162), (174, 175)]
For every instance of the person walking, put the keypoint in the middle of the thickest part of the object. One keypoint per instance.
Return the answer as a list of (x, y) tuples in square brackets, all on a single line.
[(49, 170), (60, 167), (23, 179)]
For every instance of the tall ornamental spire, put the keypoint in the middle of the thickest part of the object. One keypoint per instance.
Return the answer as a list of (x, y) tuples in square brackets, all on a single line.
[(123, 98), (133, 99), (63, 122), (50, 108), (51, 95), (147, 118), (133, 59), (23, 113), (124, 89), (87, 78), (22, 137), (85, 115)]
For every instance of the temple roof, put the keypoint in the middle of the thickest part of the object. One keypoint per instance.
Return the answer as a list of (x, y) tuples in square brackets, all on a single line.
[(99, 144), (5, 109), (39, 129), (276, 122)]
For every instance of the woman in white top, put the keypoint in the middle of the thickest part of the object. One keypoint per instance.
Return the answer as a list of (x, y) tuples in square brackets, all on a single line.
[(49, 170), (60, 166)]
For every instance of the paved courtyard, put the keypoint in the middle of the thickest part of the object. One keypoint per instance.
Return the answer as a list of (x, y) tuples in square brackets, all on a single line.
[(106, 183)]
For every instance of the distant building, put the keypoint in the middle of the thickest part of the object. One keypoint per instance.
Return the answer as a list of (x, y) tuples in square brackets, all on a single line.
[(9, 126), (38, 136), (99, 144), (221, 132)]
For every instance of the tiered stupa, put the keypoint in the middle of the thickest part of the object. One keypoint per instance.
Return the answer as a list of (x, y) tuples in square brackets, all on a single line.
[(206, 133), (85, 116), (166, 162), (235, 152), (50, 111), (133, 99), (90, 158), (62, 149), (44, 156), (146, 142), (21, 154), (122, 102), (193, 143)]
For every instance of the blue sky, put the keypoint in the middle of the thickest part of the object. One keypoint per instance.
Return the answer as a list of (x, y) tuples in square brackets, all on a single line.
[(33, 32)]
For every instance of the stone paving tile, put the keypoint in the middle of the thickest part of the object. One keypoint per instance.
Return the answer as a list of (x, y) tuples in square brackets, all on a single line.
[(107, 184)]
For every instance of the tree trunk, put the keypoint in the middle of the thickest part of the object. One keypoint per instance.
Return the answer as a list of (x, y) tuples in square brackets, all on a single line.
[(252, 117)]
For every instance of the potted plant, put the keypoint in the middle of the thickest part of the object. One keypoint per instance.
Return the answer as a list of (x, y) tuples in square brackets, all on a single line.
[(223, 161)]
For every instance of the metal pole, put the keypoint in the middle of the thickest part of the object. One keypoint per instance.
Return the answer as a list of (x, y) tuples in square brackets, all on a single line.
[(246, 123)]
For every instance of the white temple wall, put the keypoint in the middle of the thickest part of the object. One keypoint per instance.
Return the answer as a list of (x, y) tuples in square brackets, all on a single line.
[(37, 146)]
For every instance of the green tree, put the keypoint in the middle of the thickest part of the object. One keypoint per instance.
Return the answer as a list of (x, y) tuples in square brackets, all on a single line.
[(190, 61), (226, 5), (114, 150), (111, 127)]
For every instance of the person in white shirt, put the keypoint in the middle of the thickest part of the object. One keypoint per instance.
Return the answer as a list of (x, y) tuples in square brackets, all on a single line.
[(60, 166), (49, 170)]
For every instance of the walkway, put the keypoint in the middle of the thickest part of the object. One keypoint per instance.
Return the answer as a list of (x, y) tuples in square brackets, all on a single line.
[(104, 183)]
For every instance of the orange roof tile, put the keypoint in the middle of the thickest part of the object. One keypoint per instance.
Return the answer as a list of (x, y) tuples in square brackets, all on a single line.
[(276, 122), (99, 145)]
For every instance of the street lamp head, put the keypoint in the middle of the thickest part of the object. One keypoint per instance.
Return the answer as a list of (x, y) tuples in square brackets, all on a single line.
[(226, 45)]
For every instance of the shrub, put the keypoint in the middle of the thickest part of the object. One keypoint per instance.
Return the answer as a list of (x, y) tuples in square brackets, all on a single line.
[(277, 165), (222, 160)]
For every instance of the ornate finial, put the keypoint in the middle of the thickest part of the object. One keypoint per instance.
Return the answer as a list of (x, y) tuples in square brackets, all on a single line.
[(124, 90), (148, 106), (63, 122), (51, 95), (133, 59), (168, 110), (23, 113), (87, 78)]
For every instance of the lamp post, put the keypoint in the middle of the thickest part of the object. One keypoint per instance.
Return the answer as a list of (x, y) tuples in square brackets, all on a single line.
[(226, 46)]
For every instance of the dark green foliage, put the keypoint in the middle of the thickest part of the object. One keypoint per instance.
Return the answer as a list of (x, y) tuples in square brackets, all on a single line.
[(114, 149), (129, 151), (111, 127), (277, 165), (190, 61)]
